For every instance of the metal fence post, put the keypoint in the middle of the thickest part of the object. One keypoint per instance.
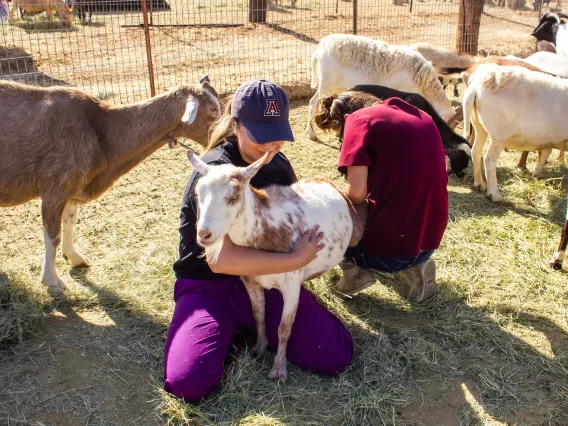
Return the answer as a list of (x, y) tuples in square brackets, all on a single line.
[(148, 48)]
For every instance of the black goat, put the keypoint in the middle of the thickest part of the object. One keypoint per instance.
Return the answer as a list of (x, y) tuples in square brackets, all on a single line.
[(457, 148)]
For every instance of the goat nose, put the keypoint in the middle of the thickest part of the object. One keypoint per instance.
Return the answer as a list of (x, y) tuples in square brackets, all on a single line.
[(204, 234)]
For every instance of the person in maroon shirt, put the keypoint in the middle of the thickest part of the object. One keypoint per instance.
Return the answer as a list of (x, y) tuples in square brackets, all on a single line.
[(393, 158)]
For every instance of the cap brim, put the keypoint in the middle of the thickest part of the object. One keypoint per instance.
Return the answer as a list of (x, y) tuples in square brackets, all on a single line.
[(262, 133)]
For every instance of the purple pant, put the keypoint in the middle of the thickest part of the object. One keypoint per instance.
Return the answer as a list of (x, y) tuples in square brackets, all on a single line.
[(207, 317)]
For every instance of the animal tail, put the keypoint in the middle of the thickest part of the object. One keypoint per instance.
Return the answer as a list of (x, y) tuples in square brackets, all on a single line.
[(314, 84), (468, 103)]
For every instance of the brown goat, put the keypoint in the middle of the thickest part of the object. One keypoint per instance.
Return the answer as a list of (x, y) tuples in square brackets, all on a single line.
[(67, 148)]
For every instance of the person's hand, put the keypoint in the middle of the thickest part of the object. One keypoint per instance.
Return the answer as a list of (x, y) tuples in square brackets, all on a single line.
[(308, 245)]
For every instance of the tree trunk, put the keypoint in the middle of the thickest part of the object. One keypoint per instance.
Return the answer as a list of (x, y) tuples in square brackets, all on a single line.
[(468, 26), (257, 11)]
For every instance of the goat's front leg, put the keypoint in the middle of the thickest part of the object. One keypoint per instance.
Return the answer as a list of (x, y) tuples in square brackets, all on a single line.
[(490, 160), (544, 154), (52, 211), (256, 296), (560, 156), (560, 254), (291, 295), (75, 259)]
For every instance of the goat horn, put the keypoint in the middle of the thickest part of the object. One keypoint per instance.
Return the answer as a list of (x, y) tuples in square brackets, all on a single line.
[(204, 79), (197, 163), (253, 169)]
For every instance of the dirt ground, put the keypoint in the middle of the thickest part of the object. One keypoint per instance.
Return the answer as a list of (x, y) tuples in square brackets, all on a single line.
[(490, 349), (108, 57)]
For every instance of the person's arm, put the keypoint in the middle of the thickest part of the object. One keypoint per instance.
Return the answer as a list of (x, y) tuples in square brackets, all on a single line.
[(356, 186), (245, 261)]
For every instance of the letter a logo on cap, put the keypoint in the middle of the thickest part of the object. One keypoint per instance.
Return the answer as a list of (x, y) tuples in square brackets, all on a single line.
[(271, 108)]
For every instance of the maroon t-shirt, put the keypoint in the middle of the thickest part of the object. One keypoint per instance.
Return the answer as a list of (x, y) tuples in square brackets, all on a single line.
[(407, 181)]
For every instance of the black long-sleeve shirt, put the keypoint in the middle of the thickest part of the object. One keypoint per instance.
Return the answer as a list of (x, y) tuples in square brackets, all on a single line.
[(192, 262)]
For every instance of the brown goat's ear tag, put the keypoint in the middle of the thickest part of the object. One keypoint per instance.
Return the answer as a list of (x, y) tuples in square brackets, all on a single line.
[(190, 110), (197, 163)]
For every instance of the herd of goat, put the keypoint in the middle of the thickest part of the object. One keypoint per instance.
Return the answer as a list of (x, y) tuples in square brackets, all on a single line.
[(519, 103)]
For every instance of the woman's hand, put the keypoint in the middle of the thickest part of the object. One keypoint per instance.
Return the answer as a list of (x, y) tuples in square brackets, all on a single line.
[(307, 247)]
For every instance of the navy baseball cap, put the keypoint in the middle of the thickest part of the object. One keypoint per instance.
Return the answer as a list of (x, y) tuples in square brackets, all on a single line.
[(262, 107)]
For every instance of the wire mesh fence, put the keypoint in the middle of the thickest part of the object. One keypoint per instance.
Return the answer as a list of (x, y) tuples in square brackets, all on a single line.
[(105, 47), (116, 52)]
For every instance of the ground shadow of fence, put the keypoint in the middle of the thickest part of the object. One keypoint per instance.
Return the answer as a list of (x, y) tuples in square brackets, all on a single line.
[(18, 65)]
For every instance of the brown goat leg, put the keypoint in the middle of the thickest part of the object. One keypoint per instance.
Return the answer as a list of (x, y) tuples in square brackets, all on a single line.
[(52, 212), (560, 156), (522, 164), (256, 296), (291, 295), (75, 259), (558, 257)]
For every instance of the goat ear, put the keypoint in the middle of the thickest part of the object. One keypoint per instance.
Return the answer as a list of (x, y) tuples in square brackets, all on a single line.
[(190, 110), (253, 169), (204, 79), (197, 163)]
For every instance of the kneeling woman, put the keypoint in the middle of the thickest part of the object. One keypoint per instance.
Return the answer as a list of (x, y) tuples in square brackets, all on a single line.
[(212, 304), (393, 157)]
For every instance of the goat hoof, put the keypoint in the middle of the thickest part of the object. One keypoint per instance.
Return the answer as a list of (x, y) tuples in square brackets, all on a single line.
[(556, 265), (260, 348), (479, 187), (77, 261), (278, 373), (56, 289), (495, 197)]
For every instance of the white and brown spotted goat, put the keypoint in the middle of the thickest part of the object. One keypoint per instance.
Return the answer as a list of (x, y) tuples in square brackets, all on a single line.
[(558, 258), (273, 219)]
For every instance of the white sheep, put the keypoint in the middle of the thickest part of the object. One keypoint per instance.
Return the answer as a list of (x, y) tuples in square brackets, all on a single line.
[(67, 148), (497, 102), (342, 61), (441, 58), (273, 219)]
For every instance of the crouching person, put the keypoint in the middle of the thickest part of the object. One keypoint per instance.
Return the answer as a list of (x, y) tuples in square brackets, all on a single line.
[(393, 158), (211, 302)]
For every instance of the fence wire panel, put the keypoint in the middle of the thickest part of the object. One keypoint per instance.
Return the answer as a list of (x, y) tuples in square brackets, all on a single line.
[(103, 47)]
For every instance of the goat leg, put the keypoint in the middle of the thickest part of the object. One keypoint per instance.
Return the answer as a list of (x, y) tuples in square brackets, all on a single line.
[(291, 296), (543, 156), (560, 156), (522, 164), (52, 212), (256, 296), (75, 259), (558, 257)]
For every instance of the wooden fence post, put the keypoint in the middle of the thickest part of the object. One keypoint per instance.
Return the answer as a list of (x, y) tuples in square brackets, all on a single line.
[(354, 16), (257, 11), (469, 20)]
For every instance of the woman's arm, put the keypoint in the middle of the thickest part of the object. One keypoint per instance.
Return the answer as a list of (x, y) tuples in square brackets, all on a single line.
[(356, 187), (245, 261)]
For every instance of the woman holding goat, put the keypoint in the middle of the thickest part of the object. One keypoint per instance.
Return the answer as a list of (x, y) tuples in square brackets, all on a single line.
[(212, 304), (393, 158)]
